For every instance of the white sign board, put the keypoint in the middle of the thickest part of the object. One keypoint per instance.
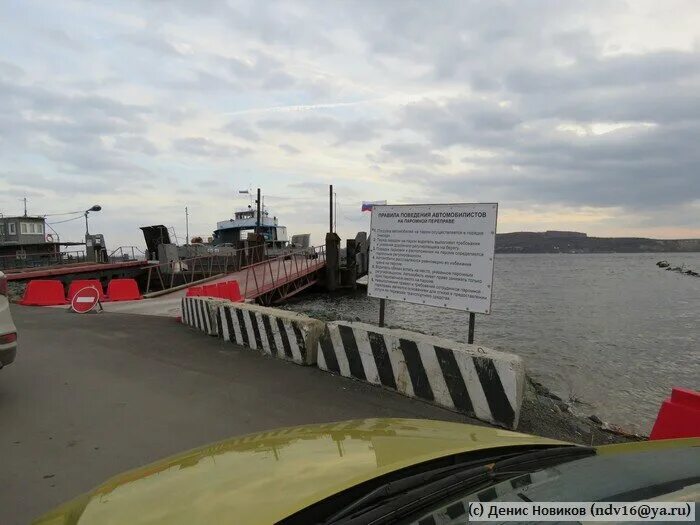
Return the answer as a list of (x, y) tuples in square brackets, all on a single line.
[(434, 254)]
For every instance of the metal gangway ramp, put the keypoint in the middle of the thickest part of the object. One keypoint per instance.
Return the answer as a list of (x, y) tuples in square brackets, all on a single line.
[(266, 282), (274, 280)]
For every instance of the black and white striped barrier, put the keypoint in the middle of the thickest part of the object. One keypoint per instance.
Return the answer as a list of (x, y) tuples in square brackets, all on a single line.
[(275, 332), (201, 313), (471, 379)]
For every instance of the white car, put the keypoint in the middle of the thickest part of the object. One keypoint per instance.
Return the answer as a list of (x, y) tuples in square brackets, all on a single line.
[(8, 332)]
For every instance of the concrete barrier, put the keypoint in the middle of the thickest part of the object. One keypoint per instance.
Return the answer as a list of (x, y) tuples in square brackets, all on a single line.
[(471, 379), (279, 333), (202, 313)]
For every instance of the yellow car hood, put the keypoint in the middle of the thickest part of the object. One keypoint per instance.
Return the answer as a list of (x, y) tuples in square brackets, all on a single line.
[(262, 478)]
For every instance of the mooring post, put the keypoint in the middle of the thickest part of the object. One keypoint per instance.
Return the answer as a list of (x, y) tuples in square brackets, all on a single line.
[(330, 208), (382, 307), (472, 320), (351, 262), (332, 261)]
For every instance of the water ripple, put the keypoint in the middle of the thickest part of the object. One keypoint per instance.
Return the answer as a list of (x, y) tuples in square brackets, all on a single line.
[(613, 330)]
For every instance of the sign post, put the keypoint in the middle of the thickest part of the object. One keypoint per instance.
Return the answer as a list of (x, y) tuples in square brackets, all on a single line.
[(382, 307), (434, 254), (472, 322)]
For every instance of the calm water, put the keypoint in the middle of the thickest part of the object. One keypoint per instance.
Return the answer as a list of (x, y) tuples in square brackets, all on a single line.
[(613, 330)]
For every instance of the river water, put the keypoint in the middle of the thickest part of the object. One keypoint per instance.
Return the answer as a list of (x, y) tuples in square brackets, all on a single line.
[(613, 331)]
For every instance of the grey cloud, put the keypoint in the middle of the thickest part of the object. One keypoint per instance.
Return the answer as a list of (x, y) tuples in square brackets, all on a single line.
[(13, 195), (306, 124), (460, 121), (545, 61), (242, 129), (68, 129), (135, 144), (484, 81), (346, 190), (204, 147), (343, 132), (57, 36), (254, 71), (638, 103), (10, 70), (408, 152), (578, 44), (262, 70), (625, 70), (24, 182), (198, 80), (459, 35), (64, 117), (149, 39), (276, 22), (310, 185), (636, 169), (289, 149), (360, 130), (93, 159), (532, 160)]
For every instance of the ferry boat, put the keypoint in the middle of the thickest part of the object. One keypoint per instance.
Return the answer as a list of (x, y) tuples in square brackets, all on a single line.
[(230, 235), (234, 232)]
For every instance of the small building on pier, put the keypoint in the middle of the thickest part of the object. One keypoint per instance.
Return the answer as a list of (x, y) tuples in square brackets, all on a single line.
[(23, 242)]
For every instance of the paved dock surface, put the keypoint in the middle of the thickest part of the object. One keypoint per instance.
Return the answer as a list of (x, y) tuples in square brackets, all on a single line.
[(93, 395)]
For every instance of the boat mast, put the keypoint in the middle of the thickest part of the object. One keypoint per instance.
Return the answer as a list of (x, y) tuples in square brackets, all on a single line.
[(257, 203)]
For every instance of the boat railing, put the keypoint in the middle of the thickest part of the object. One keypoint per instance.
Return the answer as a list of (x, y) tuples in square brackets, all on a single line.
[(22, 259), (126, 253)]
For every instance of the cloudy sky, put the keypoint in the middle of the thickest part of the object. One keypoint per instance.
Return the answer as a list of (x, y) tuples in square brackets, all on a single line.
[(571, 115)]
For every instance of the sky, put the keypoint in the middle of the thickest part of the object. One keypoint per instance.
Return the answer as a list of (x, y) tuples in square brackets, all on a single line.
[(571, 115)]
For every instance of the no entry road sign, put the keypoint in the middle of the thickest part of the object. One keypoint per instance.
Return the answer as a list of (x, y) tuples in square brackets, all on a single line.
[(85, 300)]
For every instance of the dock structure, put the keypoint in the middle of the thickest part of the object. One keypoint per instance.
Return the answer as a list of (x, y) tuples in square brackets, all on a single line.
[(261, 279), (266, 282)]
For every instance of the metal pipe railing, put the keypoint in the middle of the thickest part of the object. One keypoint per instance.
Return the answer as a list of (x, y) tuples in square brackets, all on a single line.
[(185, 271), (34, 260), (260, 278), (124, 253)]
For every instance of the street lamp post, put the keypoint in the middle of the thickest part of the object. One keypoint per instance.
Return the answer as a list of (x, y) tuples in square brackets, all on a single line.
[(96, 207)]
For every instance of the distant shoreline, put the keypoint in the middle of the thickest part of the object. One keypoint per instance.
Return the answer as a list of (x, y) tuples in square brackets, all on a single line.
[(597, 253), (575, 243)]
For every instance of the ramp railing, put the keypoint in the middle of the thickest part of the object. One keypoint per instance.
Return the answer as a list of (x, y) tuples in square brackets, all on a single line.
[(283, 276)]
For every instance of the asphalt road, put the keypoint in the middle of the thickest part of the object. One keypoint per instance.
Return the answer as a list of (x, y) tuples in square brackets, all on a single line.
[(93, 395)]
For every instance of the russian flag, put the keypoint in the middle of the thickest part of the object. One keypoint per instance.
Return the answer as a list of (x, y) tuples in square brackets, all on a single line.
[(367, 205)]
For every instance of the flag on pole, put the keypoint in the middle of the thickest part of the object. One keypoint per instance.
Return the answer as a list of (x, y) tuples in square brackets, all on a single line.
[(367, 205)]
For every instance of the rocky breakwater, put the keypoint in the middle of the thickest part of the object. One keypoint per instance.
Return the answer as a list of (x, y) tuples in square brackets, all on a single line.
[(678, 269)]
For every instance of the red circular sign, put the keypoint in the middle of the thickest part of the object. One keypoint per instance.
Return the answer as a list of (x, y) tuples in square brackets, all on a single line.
[(85, 299)]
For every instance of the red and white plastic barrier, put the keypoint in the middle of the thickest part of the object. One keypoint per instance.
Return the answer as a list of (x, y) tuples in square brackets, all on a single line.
[(79, 284), (44, 292), (228, 290), (123, 290), (679, 416)]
